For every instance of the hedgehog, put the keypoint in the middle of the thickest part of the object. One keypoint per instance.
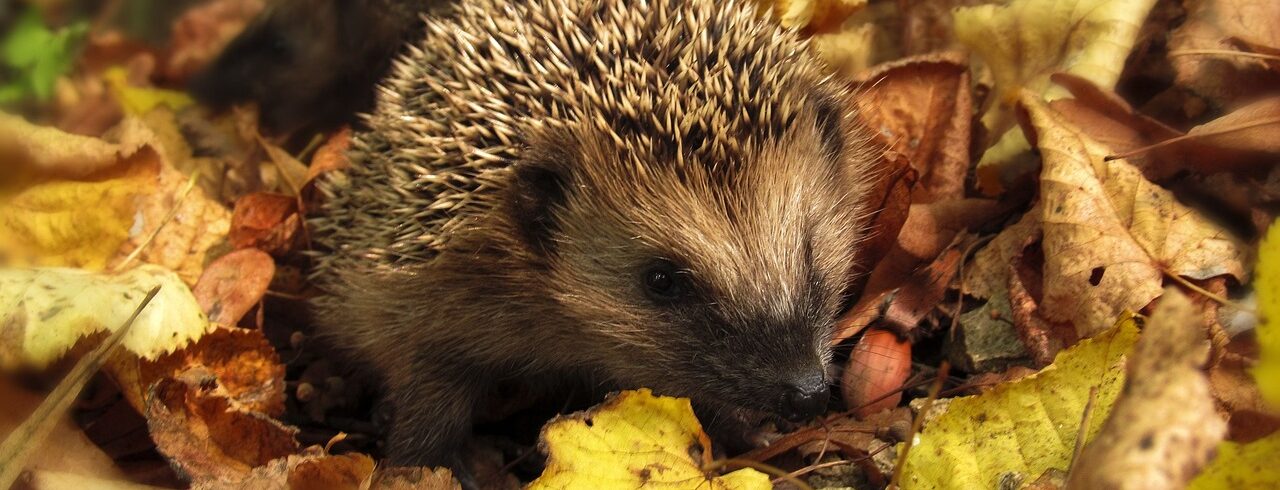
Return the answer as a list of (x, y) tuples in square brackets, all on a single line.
[(640, 193)]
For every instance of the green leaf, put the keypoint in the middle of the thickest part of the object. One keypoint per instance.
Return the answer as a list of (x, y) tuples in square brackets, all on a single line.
[(36, 56)]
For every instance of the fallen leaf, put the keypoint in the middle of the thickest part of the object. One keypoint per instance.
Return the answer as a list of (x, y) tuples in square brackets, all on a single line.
[(1111, 121), (292, 173), (1254, 127), (1267, 285), (97, 220), (928, 230), (1200, 50), (1164, 426), (48, 150), (1026, 41), (400, 478), (137, 101), (1108, 234), (207, 439), (234, 284), (920, 108), (192, 222), (633, 440), (813, 15), (269, 222), (1025, 427), (77, 223), (1249, 466), (67, 449), (44, 312), (236, 363)]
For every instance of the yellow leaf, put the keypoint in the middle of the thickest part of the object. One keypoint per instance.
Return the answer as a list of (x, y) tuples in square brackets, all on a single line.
[(1164, 427), (77, 223), (136, 101), (813, 15), (1267, 286), (1026, 41), (44, 312), (1025, 427), (60, 215), (1249, 466), (634, 440)]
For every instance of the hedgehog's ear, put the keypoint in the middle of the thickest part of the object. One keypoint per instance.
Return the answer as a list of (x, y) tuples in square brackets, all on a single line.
[(538, 187)]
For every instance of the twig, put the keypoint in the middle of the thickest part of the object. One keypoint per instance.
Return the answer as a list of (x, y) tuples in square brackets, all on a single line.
[(1206, 293), (29, 436), (1082, 431), (919, 421), (1222, 52), (1170, 141)]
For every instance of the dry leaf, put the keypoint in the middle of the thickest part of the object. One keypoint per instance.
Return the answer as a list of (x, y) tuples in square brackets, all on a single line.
[(632, 440), (49, 150), (1111, 121), (207, 438), (269, 222), (1200, 49), (1026, 41), (1108, 234), (813, 15), (1163, 428), (1021, 428), (66, 450), (920, 108), (235, 363), (929, 229), (44, 312), (1254, 127), (197, 224), (234, 284)]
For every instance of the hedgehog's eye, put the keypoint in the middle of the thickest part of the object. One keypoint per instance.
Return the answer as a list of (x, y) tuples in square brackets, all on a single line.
[(664, 282)]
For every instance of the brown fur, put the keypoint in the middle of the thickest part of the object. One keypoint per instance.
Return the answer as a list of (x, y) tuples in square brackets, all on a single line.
[(507, 203)]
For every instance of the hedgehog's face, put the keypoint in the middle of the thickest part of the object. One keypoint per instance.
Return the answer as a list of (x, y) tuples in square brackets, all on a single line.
[(716, 282)]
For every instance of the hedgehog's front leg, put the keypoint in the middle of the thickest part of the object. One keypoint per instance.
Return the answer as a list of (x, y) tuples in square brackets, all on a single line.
[(433, 414)]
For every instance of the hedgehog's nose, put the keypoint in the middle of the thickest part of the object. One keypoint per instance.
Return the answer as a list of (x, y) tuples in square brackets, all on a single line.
[(805, 399)]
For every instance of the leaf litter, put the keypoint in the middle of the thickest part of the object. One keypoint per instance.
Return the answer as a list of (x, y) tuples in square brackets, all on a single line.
[(1077, 190)]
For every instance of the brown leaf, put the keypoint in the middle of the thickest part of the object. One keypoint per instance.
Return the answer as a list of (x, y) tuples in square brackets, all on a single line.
[(1163, 428), (233, 284), (235, 363), (890, 200), (419, 478), (198, 223), (1254, 127), (1108, 234), (1200, 49), (929, 229), (269, 222), (66, 448), (1111, 121), (920, 108), (207, 438)]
